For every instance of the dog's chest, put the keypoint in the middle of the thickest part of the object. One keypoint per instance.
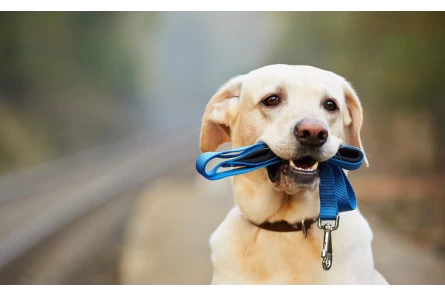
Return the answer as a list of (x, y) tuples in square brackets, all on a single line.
[(265, 257), (285, 258)]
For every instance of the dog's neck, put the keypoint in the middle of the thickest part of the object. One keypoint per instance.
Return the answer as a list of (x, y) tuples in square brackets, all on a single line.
[(259, 202)]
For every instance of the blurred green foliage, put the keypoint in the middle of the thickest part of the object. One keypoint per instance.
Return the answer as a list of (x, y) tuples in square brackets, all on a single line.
[(56, 49), (68, 81)]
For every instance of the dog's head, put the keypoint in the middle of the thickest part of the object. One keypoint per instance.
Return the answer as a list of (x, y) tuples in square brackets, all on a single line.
[(302, 113)]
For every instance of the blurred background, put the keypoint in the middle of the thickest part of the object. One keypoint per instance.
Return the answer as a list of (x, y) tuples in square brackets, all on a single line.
[(99, 125)]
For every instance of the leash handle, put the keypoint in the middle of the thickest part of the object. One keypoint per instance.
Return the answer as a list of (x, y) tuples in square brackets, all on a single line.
[(348, 157), (245, 159)]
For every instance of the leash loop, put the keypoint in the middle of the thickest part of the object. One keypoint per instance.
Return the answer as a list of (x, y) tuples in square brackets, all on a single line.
[(259, 153)]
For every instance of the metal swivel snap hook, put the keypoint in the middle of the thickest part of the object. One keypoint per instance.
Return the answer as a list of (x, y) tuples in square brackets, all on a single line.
[(326, 252)]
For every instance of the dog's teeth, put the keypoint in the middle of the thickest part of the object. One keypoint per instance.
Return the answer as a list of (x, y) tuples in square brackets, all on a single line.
[(313, 167)]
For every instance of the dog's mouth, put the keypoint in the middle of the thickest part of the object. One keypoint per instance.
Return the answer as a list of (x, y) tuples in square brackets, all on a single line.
[(306, 164), (301, 171)]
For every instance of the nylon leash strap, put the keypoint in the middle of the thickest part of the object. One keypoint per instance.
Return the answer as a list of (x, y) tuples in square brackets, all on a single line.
[(336, 192)]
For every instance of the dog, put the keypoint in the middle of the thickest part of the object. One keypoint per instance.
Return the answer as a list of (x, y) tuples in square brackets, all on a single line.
[(303, 114)]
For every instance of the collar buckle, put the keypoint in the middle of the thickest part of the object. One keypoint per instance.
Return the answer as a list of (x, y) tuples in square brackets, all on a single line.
[(303, 227)]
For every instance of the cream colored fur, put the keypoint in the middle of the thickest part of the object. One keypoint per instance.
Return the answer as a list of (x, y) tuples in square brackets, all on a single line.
[(245, 254)]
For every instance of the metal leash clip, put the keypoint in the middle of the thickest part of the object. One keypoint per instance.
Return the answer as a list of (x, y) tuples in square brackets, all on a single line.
[(326, 252)]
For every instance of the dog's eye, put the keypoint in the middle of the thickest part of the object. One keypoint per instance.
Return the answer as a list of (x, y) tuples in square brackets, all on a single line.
[(273, 100), (330, 105)]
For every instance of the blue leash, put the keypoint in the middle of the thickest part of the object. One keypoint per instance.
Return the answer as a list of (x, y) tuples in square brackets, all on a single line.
[(239, 158), (336, 192)]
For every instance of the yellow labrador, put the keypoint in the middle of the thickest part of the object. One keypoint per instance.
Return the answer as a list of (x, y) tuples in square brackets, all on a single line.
[(303, 114)]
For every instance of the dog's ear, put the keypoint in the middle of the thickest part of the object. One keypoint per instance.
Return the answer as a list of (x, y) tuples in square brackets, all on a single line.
[(353, 117), (219, 114)]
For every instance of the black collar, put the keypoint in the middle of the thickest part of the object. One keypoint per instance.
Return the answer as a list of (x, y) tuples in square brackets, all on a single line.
[(284, 226)]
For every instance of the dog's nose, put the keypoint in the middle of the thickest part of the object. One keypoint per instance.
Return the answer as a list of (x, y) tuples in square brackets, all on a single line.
[(311, 133)]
